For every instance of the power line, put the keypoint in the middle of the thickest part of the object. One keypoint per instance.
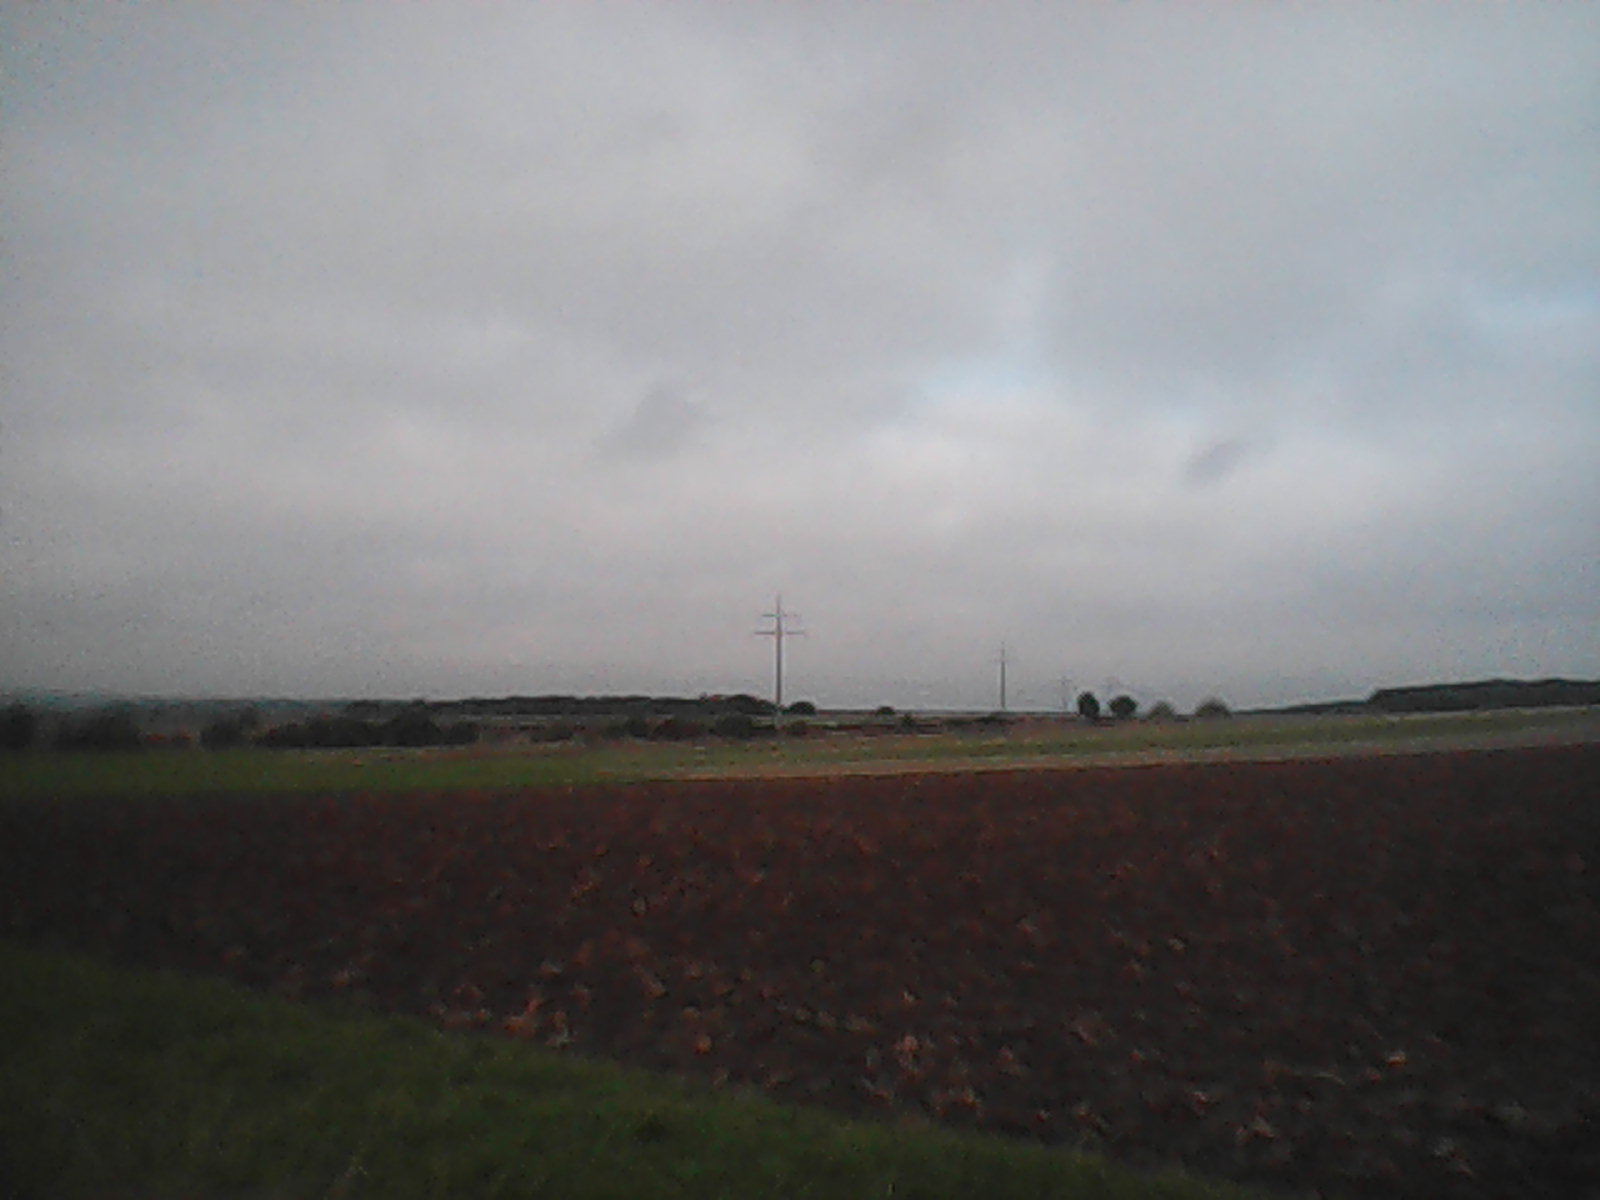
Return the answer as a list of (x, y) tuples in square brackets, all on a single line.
[(777, 633)]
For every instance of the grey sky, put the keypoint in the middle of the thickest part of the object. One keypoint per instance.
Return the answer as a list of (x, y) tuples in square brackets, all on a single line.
[(444, 350)]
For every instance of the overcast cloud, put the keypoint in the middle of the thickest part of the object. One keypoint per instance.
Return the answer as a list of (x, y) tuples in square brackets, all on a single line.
[(448, 350)]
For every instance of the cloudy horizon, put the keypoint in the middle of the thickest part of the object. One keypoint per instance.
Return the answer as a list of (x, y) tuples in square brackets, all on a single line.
[(382, 350)]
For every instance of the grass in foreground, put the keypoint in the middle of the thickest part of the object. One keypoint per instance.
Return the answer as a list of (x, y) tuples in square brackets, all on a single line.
[(118, 1083), (50, 774)]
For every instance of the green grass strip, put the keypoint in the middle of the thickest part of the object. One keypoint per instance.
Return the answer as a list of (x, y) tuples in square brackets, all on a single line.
[(140, 1085), (56, 775)]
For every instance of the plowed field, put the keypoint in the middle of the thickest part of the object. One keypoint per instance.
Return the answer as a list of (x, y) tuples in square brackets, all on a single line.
[(1374, 976)]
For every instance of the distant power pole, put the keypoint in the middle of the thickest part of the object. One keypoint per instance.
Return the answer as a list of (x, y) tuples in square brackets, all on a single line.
[(1002, 677), (777, 633)]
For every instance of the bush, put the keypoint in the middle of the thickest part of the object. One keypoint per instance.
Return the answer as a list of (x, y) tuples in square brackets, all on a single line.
[(224, 734), (1161, 710), (19, 726), (739, 726), (413, 727), (112, 729), (679, 729), (634, 726), (283, 737), (1124, 707), (802, 708), (462, 733), (325, 733), (1088, 706), (1211, 707)]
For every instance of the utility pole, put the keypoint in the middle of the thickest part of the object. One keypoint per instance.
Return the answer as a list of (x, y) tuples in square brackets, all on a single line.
[(1002, 677), (777, 633)]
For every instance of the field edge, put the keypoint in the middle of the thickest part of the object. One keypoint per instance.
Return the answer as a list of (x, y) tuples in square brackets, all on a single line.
[(140, 1083)]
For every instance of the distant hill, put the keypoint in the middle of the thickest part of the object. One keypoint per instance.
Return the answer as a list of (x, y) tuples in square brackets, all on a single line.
[(1486, 694)]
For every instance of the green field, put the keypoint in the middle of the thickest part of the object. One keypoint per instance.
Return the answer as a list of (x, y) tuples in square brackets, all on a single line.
[(1039, 742), (131, 1084)]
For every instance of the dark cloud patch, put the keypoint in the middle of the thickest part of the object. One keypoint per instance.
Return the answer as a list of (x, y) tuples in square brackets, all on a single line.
[(1215, 461), (662, 425)]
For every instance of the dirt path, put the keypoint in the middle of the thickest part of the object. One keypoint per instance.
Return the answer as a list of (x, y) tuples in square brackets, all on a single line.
[(1580, 730)]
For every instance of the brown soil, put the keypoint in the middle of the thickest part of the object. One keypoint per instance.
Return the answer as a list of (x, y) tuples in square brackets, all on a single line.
[(1365, 975)]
